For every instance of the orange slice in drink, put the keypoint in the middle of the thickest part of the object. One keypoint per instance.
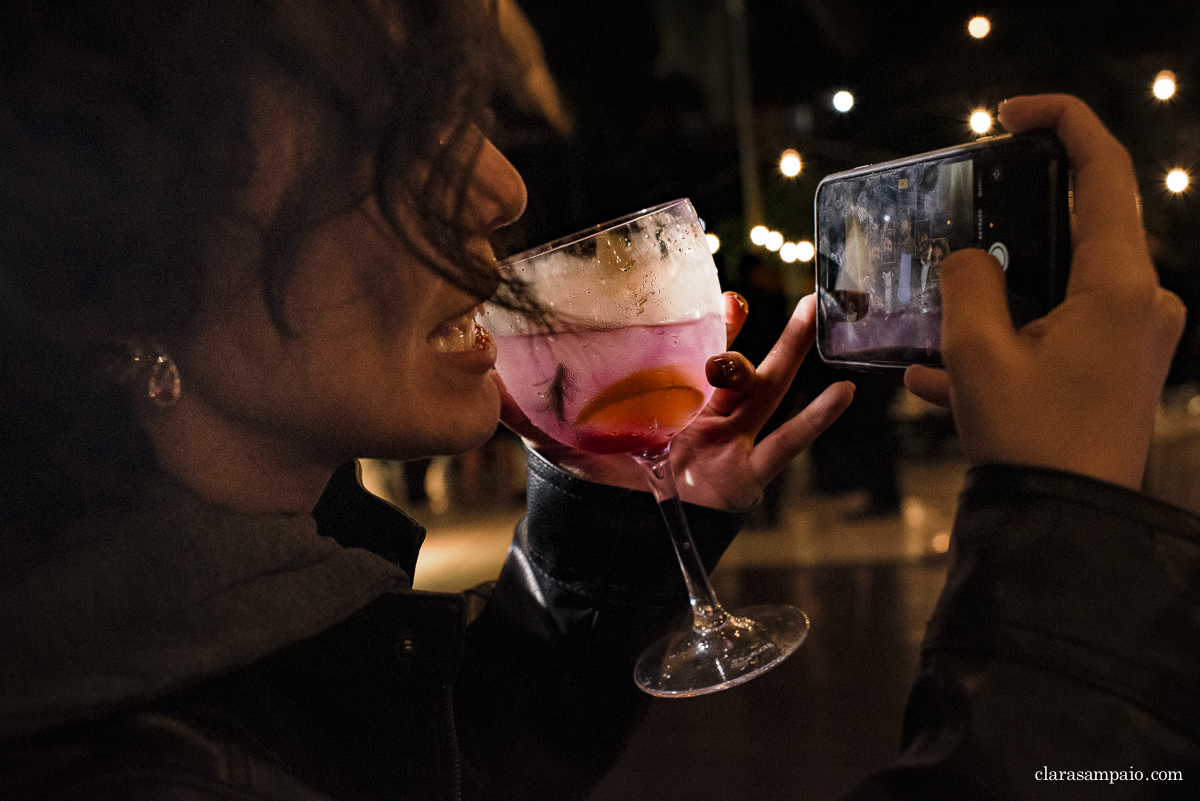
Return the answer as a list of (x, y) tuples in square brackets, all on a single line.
[(658, 398)]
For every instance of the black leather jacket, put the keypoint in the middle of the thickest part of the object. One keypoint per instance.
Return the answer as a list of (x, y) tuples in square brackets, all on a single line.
[(1066, 644), (519, 690), (1063, 658)]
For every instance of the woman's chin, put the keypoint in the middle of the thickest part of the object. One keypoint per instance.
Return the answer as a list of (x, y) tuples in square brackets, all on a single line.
[(471, 427)]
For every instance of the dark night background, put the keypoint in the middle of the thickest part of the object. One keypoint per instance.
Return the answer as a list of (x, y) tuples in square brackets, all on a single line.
[(648, 84)]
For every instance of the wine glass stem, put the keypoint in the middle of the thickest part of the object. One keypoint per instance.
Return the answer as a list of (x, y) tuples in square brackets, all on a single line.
[(706, 610)]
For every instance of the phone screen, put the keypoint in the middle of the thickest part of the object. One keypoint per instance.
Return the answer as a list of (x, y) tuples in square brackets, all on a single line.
[(882, 234)]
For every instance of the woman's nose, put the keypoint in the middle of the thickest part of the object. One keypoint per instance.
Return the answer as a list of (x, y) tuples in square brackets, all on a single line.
[(498, 193)]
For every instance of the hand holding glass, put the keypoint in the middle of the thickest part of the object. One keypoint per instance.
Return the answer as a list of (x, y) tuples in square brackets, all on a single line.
[(634, 312)]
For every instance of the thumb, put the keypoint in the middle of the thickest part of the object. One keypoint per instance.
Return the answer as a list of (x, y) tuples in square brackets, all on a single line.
[(932, 386), (975, 313)]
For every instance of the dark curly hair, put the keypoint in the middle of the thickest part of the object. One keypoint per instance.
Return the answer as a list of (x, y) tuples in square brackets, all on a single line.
[(124, 139)]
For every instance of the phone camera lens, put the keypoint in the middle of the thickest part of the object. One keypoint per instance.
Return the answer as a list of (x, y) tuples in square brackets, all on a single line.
[(997, 173)]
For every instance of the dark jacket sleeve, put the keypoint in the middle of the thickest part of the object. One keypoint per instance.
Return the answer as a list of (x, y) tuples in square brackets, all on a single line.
[(545, 698), (1063, 658)]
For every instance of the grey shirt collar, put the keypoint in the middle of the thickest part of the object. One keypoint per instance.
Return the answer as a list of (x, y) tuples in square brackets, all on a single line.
[(175, 590)]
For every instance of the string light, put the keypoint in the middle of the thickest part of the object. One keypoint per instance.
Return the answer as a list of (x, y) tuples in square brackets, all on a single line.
[(758, 235), (787, 252), (714, 242), (1177, 180), (979, 27), (981, 122), (805, 251), (843, 101), (1164, 85), (790, 163), (774, 241)]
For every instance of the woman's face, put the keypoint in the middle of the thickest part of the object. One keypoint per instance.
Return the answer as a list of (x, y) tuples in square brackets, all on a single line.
[(384, 358)]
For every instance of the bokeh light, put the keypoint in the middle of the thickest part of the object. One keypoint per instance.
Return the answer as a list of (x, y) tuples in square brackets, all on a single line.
[(774, 241), (1164, 85), (843, 101), (790, 163), (714, 242), (981, 122), (787, 252), (758, 235), (979, 27), (805, 251), (1177, 180)]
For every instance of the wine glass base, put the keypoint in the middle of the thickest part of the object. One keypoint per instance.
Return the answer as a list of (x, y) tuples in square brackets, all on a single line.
[(696, 662)]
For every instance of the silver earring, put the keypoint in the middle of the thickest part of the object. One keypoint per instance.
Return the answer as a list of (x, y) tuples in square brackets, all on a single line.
[(130, 362), (163, 387)]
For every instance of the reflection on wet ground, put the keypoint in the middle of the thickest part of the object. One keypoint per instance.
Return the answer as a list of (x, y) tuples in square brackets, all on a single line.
[(815, 725)]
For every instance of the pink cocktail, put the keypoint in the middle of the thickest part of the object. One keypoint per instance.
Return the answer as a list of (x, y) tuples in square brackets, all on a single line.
[(614, 363), (612, 390)]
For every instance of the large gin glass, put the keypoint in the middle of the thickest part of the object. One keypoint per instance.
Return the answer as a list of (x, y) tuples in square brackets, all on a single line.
[(616, 366)]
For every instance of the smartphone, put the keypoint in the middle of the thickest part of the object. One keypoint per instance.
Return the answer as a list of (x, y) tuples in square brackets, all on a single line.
[(883, 230)]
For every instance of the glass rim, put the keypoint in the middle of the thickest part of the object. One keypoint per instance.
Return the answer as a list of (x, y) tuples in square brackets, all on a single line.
[(570, 239)]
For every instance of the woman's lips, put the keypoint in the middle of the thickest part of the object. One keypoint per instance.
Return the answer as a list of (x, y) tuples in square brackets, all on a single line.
[(462, 336)]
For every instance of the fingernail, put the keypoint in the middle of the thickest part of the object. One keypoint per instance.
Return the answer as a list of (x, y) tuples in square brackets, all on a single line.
[(741, 302), (727, 366)]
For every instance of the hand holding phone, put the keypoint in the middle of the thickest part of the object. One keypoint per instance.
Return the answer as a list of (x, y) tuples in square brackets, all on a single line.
[(883, 232), (1077, 389)]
